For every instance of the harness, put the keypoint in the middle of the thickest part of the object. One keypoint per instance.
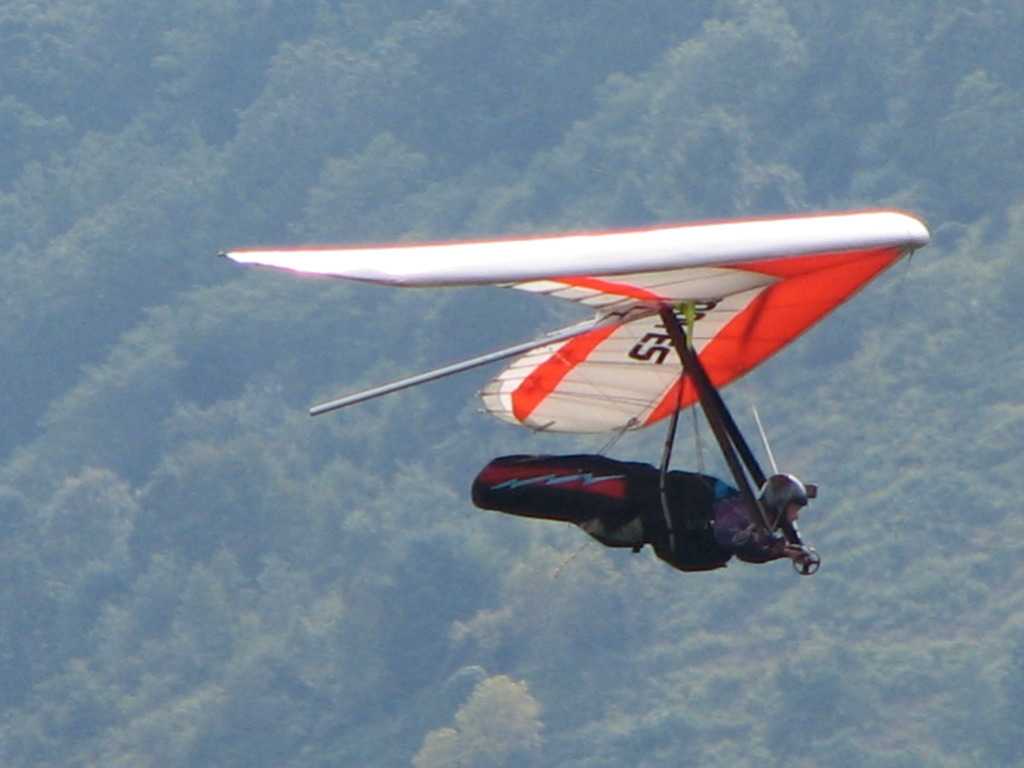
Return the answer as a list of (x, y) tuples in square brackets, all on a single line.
[(690, 545)]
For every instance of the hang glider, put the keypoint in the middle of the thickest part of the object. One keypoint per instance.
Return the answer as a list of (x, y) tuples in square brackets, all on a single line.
[(751, 286)]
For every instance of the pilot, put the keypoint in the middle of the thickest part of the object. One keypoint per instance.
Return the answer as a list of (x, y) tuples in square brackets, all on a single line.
[(782, 497), (620, 504)]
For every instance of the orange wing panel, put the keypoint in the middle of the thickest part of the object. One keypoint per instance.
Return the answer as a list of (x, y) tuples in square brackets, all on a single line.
[(810, 288)]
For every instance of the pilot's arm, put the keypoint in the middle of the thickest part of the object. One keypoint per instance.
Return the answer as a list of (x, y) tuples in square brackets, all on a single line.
[(754, 545)]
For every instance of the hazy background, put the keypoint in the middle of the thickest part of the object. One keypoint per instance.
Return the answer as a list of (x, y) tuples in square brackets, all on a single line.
[(193, 572)]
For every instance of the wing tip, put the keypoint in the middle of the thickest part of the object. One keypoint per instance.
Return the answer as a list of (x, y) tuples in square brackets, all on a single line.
[(227, 255), (918, 231)]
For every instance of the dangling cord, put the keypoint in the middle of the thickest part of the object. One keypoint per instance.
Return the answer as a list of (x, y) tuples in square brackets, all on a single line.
[(900, 289), (558, 571)]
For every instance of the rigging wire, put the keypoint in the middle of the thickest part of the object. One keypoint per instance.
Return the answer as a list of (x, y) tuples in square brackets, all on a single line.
[(666, 457), (617, 436), (764, 440), (698, 443)]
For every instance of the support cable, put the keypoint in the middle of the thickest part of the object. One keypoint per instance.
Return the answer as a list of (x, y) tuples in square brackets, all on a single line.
[(666, 457)]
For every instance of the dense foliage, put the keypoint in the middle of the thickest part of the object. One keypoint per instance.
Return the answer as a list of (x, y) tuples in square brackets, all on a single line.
[(195, 573)]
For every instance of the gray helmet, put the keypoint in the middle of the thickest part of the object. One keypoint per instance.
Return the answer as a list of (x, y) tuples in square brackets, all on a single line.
[(779, 491)]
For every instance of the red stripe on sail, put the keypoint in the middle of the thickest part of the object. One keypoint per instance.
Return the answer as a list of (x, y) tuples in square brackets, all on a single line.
[(546, 377)]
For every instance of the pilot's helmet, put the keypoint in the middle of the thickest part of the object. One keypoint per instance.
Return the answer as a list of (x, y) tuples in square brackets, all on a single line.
[(779, 491)]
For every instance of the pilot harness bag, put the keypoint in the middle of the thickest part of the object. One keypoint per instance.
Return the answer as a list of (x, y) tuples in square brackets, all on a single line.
[(616, 502)]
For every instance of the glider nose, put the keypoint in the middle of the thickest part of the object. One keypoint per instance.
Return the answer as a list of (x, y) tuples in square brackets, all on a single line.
[(917, 232)]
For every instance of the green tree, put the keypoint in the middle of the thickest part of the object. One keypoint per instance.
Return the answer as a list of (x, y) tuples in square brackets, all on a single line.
[(499, 726)]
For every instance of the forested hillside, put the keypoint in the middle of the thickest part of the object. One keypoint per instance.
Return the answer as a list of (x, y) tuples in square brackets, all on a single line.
[(193, 572)]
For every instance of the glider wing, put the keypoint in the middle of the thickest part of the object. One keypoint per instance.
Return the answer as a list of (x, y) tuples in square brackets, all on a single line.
[(756, 286), (627, 376)]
